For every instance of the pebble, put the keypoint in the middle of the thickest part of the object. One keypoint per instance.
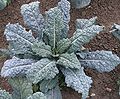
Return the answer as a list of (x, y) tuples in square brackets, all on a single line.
[(92, 95), (98, 37), (109, 89)]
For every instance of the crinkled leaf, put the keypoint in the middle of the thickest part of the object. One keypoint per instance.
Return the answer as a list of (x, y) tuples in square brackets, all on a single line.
[(37, 95), (42, 49), (80, 3), (32, 17), (21, 87), (54, 93), (43, 69), (46, 85), (3, 4), (84, 23), (64, 6), (54, 25), (78, 80), (5, 52), (63, 45), (20, 40), (102, 61), (5, 95), (81, 37), (116, 31), (69, 61), (16, 66)]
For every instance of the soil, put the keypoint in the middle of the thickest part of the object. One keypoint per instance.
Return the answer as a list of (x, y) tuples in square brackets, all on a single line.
[(108, 12)]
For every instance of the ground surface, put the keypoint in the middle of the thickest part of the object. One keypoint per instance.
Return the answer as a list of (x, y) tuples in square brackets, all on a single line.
[(108, 12)]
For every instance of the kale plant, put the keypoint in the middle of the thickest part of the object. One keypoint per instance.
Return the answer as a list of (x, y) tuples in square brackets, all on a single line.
[(116, 31), (39, 62), (4, 3), (80, 3)]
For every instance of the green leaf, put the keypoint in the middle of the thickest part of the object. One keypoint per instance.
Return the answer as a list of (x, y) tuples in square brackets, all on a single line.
[(116, 31), (3, 4), (102, 61), (81, 37), (64, 6), (69, 61), (21, 87), (15, 66), (54, 93), (63, 45), (43, 69), (42, 49), (77, 80), (37, 95), (54, 26), (5, 52), (5, 95), (46, 85), (19, 39), (33, 18), (84, 23), (80, 3)]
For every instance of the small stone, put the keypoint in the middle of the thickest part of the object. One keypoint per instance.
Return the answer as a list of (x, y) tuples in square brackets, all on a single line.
[(108, 89), (98, 37), (92, 95), (113, 49), (89, 7)]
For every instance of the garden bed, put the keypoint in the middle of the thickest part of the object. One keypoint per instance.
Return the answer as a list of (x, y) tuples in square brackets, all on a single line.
[(108, 12)]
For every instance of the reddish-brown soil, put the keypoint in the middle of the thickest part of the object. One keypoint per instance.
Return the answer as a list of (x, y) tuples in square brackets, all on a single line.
[(108, 12)]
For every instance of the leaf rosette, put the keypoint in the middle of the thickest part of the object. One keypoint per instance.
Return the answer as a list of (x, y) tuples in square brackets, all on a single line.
[(40, 59)]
